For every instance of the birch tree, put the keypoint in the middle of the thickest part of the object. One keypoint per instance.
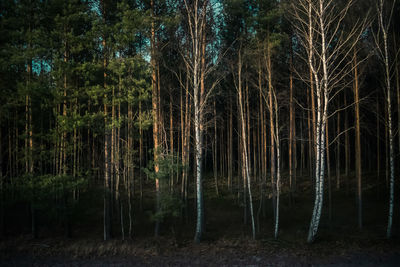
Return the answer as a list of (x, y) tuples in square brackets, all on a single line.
[(383, 51), (244, 137), (319, 26), (195, 60)]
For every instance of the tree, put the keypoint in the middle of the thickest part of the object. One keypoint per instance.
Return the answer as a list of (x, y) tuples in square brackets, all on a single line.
[(245, 158), (195, 60), (318, 25), (382, 47)]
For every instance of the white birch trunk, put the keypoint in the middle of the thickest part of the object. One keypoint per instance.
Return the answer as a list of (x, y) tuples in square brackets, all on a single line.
[(278, 167), (389, 116), (244, 146)]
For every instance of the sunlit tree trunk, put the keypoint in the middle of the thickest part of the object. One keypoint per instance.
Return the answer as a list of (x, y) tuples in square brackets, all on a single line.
[(155, 113), (278, 166), (196, 15), (263, 148), (322, 103), (317, 23), (272, 129), (385, 58), (312, 137), (357, 140), (245, 159)]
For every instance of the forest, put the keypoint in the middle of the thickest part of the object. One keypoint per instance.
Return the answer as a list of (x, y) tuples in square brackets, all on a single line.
[(196, 121)]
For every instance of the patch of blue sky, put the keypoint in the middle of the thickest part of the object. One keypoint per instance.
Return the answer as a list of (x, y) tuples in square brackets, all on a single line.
[(39, 66)]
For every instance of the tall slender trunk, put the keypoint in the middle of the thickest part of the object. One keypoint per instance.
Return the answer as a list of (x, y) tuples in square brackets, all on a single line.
[(16, 146), (357, 141), (398, 91), (215, 148), (198, 70), (117, 172), (112, 154), (75, 149), (378, 152), (338, 158), (129, 174), (322, 105), (346, 144), (107, 180), (386, 147), (383, 29), (244, 144), (171, 140), (312, 137), (272, 130), (2, 198), (140, 150), (248, 128), (278, 166), (29, 139), (155, 113), (291, 127), (64, 134), (183, 155), (302, 156), (186, 140), (230, 147)]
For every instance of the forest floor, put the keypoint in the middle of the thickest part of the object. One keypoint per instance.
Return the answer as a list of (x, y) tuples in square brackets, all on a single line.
[(227, 240), (220, 253)]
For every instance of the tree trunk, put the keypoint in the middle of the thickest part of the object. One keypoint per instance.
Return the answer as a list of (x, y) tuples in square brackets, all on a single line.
[(215, 148), (155, 113), (385, 53), (171, 143), (230, 147), (278, 166), (2, 198), (140, 151), (272, 131), (357, 141), (310, 58), (198, 70), (291, 124), (263, 143), (107, 180), (346, 144), (244, 144), (322, 105), (337, 152), (378, 152)]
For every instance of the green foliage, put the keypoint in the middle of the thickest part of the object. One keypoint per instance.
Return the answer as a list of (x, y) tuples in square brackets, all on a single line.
[(170, 204), (170, 207), (43, 191), (168, 166)]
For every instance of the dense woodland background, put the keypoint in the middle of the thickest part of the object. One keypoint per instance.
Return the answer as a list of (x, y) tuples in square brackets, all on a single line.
[(204, 118)]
